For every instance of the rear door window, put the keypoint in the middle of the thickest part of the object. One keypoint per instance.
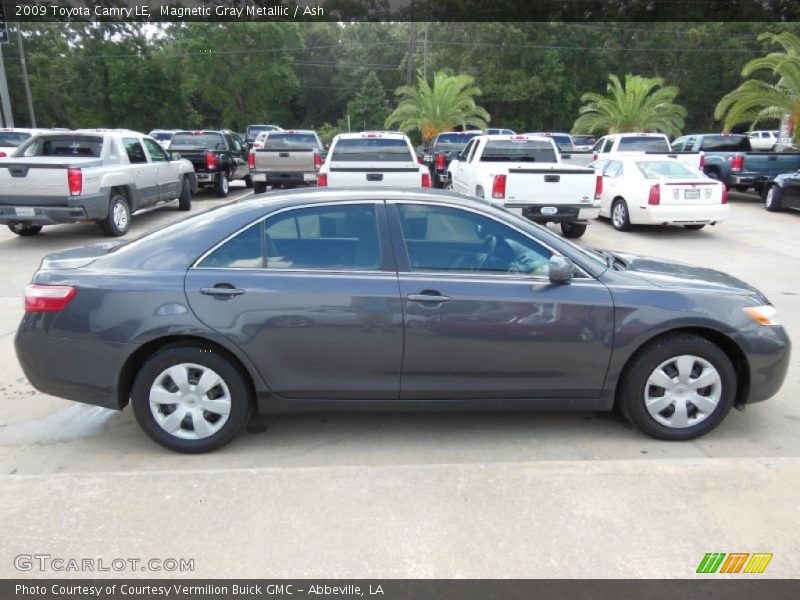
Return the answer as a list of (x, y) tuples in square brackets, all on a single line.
[(134, 150), (243, 251), (155, 150)]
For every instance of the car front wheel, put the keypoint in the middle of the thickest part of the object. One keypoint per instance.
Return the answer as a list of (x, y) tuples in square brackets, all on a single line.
[(772, 201), (678, 388), (191, 399)]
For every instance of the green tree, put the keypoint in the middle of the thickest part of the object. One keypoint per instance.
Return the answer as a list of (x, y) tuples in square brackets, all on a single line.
[(369, 107), (756, 100), (642, 104), (450, 102)]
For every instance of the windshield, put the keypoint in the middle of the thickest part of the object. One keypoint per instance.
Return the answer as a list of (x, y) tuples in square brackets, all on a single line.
[(70, 145), (372, 150), (583, 140), (726, 143), (209, 141), (453, 141), (289, 141), (519, 151), (643, 144), (665, 169), (12, 139)]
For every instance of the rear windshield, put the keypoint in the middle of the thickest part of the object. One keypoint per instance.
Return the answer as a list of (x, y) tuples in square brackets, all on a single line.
[(453, 141), (583, 140), (53, 145), (163, 136), (726, 143), (12, 139), (519, 151), (209, 141), (643, 144), (254, 130), (665, 169), (372, 150), (562, 141), (290, 141)]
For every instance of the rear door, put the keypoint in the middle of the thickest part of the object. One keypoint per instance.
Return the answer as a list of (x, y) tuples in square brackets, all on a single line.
[(310, 294), (482, 319), (166, 171), (145, 173)]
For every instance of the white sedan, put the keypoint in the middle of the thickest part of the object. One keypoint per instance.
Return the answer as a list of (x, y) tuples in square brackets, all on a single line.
[(637, 190)]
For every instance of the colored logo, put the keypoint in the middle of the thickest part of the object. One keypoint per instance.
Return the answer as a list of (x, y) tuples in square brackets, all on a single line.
[(735, 562)]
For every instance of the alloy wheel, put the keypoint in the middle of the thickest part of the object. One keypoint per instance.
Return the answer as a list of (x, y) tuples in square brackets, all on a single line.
[(120, 216), (619, 215)]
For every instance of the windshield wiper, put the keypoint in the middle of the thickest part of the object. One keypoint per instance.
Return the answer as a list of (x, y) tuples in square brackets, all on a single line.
[(612, 260)]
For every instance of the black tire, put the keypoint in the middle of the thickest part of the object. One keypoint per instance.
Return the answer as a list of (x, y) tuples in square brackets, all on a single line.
[(714, 174), (772, 198), (241, 400), (623, 221), (259, 187), (185, 199), (25, 230), (694, 227), (633, 385), (573, 230), (248, 181), (222, 185), (741, 188), (116, 223)]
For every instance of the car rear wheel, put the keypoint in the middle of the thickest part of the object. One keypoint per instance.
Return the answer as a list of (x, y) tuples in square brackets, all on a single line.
[(118, 220), (573, 230), (190, 399), (185, 199), (222, 186), (25, 230), (772, 200), (619, 215), (259, 187), (678, 388), (248, 181)]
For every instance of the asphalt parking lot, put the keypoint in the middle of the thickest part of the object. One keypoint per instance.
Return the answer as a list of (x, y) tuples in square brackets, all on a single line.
[(480, 495)]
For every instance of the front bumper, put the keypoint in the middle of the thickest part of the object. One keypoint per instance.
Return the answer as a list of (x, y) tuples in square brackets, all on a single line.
[(35, 212), (768, 354), (564, 213)]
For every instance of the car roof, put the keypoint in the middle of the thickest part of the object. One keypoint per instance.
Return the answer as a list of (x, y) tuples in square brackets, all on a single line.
[(397, 135)]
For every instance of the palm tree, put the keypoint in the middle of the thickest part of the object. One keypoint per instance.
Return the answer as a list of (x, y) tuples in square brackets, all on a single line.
[(642, 104), (757, 100), (448, 103)]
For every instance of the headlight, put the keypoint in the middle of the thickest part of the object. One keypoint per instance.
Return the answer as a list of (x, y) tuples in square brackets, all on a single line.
[(763, 315)]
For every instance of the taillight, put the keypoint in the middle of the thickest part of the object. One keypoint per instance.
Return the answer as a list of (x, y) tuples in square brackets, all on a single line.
[(75, 181), (655, 195), (440, 162), (47, 298), (211, 161), (322, 180), (251, 160), (724, 194), (595, 156), (317, 161), (598, 187), (3, 155), (737, 163), (499, 186), (702, 161), (426, 179)]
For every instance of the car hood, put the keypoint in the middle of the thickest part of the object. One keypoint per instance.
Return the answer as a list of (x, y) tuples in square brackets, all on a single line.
[(669, 273)]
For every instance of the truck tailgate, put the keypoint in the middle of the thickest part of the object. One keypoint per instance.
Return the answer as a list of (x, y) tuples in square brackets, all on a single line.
[(550, 185), (294, 161), (40, 181)]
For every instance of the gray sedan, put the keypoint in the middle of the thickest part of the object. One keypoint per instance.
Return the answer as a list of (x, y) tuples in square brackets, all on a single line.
[(348, 299)]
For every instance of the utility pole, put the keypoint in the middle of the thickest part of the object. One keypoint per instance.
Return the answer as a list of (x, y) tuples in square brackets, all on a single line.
[(8, 118), (425, 54), (412, 40), (25, 77)]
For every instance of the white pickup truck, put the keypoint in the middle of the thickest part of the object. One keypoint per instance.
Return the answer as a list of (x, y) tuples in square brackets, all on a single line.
[(526, 174), (652, 144), (373, 159), (89, 176)]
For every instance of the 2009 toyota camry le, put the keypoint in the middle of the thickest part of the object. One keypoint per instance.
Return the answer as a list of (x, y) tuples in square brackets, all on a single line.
[(350, 298)]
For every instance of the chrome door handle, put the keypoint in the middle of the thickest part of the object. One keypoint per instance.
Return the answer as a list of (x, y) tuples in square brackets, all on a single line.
[(431, 298), (221, 291)]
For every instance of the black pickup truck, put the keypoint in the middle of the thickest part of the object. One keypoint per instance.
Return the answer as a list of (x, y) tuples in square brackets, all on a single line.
[(218, 157), (445, 148)]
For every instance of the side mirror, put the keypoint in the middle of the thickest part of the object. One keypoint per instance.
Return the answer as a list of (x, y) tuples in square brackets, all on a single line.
[(561, 269), (175, 155)]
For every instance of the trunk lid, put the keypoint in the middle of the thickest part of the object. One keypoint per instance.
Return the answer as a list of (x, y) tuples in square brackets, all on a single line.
[(75, 258)]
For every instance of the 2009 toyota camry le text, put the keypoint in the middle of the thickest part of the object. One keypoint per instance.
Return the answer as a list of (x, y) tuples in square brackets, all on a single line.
[(351, 298)]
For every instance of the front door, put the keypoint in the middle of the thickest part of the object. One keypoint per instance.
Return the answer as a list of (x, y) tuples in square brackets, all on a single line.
[(144, 174), (167, 175), (482, 319), (310, 294)]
